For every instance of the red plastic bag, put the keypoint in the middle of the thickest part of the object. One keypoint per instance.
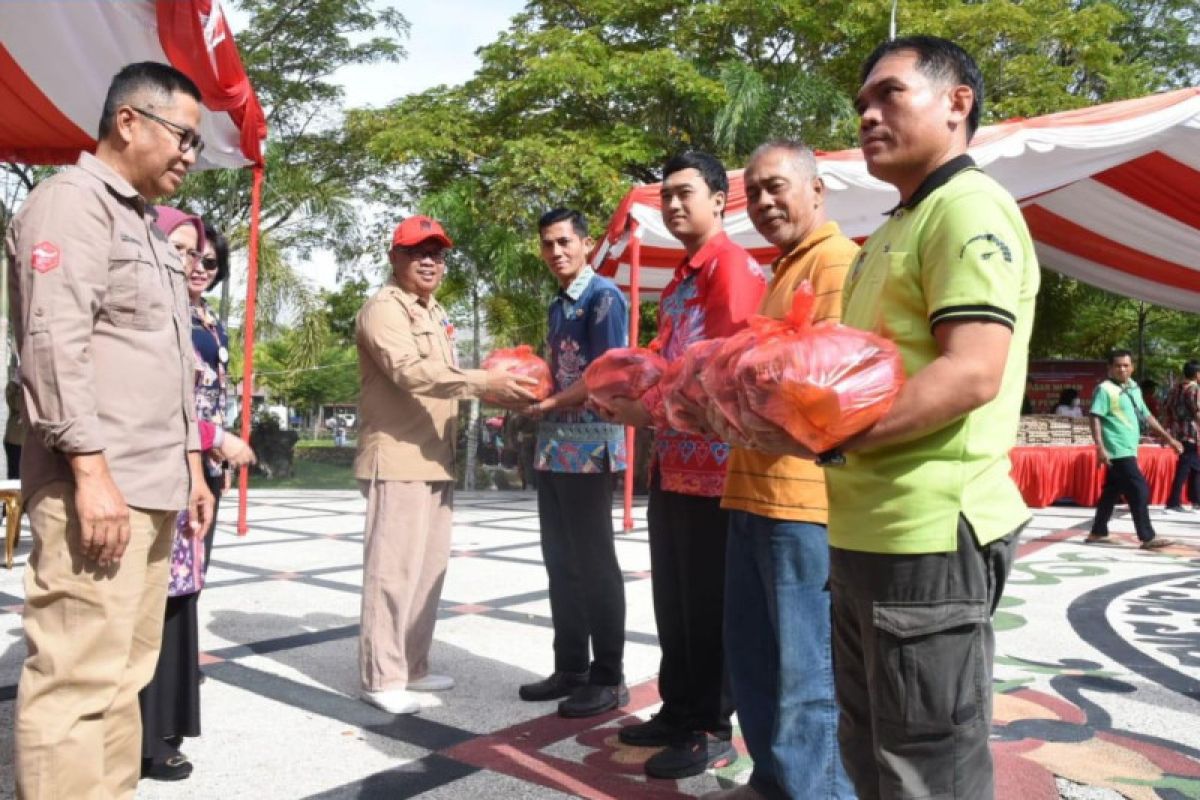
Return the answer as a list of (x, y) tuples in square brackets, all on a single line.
[(684, 399), (622, 372), (717, 376), (821, 384), (521, 360)]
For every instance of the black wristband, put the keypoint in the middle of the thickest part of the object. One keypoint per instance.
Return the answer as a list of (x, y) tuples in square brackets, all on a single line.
[(831, 458)]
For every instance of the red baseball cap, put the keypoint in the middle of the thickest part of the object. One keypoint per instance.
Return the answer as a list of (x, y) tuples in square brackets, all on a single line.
[(417, 229)]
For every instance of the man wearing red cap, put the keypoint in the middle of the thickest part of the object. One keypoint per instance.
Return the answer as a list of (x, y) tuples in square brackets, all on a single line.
[(411, 385)]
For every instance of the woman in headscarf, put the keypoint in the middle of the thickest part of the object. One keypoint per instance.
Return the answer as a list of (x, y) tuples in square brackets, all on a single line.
[(170, 703)]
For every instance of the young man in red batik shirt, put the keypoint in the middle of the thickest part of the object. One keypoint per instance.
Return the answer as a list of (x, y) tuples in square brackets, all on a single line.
[(716, 288)]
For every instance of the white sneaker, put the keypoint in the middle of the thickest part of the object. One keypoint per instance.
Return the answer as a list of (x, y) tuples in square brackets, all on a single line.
[(431, 683), (393, 701)]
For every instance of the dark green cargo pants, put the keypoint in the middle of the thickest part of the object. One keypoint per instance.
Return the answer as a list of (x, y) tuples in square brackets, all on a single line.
[(912, 650)]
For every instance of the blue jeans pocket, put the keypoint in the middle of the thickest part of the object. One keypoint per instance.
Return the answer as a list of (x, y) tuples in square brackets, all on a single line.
[(930, 675)]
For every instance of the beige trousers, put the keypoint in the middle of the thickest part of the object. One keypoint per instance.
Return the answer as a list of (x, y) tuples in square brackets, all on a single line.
[(406, 547), (93, 636)]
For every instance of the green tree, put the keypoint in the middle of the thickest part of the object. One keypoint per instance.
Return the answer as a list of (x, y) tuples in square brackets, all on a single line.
[(315, 175), (342, 306)]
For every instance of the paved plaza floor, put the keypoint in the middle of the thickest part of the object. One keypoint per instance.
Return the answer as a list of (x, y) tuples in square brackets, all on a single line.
[(1097, 677)]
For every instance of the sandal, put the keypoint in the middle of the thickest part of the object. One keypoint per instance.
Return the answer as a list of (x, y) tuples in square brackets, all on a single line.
[(1157, 543), (1095, 538)]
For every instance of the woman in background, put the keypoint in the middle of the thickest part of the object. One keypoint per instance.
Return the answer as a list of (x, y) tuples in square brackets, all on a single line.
[(170, 703)]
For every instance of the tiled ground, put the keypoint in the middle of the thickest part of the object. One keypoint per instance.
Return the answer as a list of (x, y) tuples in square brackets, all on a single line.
[(1098, 667)]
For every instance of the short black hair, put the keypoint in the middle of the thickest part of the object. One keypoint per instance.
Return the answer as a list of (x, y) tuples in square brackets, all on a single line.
[(1191, 369), (221, 248), (556, 215), (1118, 352), (709, 167), (133, 79), (1067, 396), (940, 59)]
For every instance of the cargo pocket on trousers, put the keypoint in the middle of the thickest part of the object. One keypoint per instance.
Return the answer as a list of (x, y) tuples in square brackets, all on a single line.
[(931, 662)]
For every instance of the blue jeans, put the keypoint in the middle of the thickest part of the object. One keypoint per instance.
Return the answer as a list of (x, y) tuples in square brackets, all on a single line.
[(779, 656)]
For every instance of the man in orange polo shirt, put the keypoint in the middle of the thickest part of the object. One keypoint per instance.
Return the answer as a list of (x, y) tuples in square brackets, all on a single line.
[(777, 622)]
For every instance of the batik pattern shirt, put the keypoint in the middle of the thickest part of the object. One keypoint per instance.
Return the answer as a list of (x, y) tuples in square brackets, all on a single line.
[(712, 294), (587, 318), (1183, 404), (211, 344)]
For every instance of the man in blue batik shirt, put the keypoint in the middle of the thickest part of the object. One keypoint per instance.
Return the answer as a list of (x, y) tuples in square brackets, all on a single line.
[(577, 452)]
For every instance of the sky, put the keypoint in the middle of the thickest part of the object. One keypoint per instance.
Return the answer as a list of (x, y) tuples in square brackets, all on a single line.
[(442, 40), (441, 49)]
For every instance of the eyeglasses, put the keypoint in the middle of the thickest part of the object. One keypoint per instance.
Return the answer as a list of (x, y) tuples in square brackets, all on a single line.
[(188, 138), (210, 263), (418, 254)]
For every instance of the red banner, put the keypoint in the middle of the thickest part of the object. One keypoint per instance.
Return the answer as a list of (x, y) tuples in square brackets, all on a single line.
[(1049, 377)]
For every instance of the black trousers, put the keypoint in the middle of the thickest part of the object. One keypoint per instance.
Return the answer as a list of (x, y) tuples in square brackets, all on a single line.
[(1187, 471), (1124, 479), (687, 568), (587, 589), (913, 646), (170, 703), (12, 453)]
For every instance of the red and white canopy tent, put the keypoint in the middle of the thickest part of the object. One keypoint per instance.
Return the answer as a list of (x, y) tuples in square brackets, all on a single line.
[(1109, 193), (57, 58)]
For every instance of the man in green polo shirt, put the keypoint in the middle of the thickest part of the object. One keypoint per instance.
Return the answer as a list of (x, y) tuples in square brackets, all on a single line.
[(923, 516), (1117, 415)]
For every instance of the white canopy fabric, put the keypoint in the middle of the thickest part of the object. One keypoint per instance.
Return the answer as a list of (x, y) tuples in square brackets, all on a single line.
[(1109, 192), (57, 59)]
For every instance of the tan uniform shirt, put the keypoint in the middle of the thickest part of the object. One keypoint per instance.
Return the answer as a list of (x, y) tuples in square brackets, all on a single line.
[(410, 389), (101, 320)]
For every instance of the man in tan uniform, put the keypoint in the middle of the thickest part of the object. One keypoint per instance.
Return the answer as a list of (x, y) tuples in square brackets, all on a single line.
[(102, 324), (411, 385)]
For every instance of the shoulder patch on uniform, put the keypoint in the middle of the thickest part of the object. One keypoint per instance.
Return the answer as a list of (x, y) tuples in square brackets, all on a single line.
[(45, 256)]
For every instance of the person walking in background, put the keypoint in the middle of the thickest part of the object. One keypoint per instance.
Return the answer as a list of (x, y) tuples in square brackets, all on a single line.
[(715, 290), (777, 619), (1117, 416), (170, 703), (100, 321), (1183, 410), (577, 455), (411, 384), (14, 427)]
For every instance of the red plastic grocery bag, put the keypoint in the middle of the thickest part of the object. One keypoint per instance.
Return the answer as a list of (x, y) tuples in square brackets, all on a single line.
[(821, 384), (622, 372), (523, 361), (717, 376), (684, 399)]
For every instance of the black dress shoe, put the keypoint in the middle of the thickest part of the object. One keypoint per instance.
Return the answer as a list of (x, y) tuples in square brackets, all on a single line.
[(587, 701), (692, 756), (656, 732), (174, 768), (560, 684)]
